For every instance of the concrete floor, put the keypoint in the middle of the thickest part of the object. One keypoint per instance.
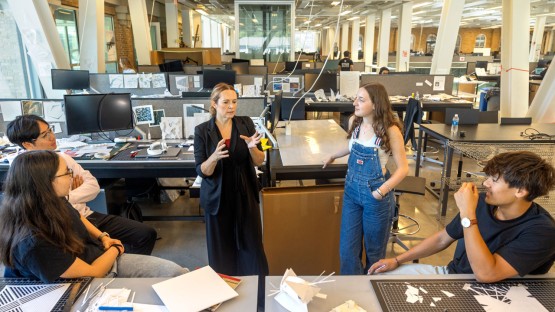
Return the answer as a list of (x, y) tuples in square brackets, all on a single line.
[(184, 241)]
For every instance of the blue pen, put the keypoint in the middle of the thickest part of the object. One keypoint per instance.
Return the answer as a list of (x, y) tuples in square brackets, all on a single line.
[(108, 308)]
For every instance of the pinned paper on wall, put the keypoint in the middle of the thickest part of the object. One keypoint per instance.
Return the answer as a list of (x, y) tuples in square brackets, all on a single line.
[(131, 81), (10, 110), (144, 80), (158, 81), (116, 81), (158, 114), (194, 114), (32, 108), (144, 114), (439, 83), (54, 112), (171, 127)]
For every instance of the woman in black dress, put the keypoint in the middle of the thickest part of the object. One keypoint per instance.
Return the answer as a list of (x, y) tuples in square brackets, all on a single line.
[(227, 147)]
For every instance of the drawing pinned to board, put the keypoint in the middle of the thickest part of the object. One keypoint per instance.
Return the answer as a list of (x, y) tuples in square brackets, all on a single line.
[(158, 81), (194, 114), (54, 112), (182, 83), (144, 80), (116, 81), (10, 110), (144, 114), (171, 127), (130, 81), (32, 108), (158, 114)]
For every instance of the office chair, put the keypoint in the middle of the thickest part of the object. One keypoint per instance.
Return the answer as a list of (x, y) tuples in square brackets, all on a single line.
[(413, 115), (411, 185)]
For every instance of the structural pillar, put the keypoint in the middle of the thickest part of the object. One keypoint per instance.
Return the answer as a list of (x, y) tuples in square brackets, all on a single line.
[(92, 44), (369, 31), (355, 33), (403, 45), (446, 41), (187, 24), (344, 39), (537, 38), (514, 58), (172, 30), (141, 30), (332, 40), (38, 33), (383, 42), (542, 108)]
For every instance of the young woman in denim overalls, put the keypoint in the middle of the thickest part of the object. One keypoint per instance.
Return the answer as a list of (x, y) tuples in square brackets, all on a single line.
[(368, 203)]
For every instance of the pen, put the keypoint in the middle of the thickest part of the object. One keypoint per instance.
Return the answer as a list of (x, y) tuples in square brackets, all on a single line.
[(108, 308)]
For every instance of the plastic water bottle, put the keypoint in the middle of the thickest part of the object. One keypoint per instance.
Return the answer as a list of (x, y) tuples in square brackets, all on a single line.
[(455, 125)]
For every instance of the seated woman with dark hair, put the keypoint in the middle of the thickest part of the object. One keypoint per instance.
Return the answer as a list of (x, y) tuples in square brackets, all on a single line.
[(43, 237)]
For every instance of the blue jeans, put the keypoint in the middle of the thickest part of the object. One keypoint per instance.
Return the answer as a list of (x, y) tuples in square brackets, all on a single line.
[(364, 216), (132, 265)]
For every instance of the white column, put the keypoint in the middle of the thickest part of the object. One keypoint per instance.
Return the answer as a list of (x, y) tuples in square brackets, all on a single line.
[(38, 33), (141, 30), (344, 39), (172, 31), (549, 41), (369, 31), (383, 42), (514, 58), (537, 37), (91, 35), (355, 33), (187, 24), (331, 41), (542, 108), (447, 37), (403, 45)]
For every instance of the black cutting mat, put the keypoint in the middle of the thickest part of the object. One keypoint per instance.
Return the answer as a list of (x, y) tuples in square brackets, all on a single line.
[(75, 282), (393, 298)]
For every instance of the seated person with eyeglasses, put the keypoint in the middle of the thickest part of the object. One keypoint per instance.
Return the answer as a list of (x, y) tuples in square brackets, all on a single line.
[(31, 132), (501, 233), (44, 237)]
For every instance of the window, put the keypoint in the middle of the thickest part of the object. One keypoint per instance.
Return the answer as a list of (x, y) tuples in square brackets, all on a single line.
[(307, 41), (66, 24), (110, 52), (430, 44), (480, 41)]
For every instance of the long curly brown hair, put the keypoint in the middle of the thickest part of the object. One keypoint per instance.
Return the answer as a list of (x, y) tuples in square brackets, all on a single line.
[(383, 116)]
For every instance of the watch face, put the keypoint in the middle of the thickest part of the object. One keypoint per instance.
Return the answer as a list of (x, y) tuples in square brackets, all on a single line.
[(465, 222)]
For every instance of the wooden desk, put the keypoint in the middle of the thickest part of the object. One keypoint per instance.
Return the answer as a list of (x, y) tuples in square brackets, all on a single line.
[(246, 301), (487, 134), (360, 289)]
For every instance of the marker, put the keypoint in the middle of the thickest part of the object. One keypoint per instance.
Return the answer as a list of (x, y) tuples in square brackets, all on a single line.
[(108, 308)]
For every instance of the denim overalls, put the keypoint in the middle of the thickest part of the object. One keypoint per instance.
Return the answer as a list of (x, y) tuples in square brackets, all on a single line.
[(363, 215)]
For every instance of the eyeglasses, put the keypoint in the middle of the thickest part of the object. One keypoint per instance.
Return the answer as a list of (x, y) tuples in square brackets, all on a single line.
[(46, 133), (69, 173), (493, 178)]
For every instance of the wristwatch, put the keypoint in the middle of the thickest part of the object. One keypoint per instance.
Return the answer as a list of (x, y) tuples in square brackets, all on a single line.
[(466, 222), (101, 236)]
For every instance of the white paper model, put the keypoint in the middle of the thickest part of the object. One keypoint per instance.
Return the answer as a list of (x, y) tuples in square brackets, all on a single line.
[(171, 127), (295, 293)]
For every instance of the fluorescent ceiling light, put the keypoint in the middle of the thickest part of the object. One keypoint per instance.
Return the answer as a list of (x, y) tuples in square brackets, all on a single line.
[(317, 25), (420, 5), (419, 12), (326, 27), (345, 13), (353, 18), (232, 17), (334, 3), (201, 12)]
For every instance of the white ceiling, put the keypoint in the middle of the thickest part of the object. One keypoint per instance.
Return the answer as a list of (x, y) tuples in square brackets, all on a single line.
[(426, 13)]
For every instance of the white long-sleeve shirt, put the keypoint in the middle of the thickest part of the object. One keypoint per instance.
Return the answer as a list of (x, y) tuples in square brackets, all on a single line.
[(85, 192)]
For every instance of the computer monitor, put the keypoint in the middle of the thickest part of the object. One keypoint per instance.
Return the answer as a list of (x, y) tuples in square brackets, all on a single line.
[(331, 65), (326, 81), (291, 66), (287, 104), (66, 79), (236, 60), (211, 77), (90, 113), (275, 111), (173, 66), (240, 68), (481, 64)]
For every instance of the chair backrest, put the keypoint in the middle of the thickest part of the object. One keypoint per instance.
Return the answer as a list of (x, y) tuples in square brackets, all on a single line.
[(413, 115), (516, 120), (466, 116), (488, 117), (99, 204)]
